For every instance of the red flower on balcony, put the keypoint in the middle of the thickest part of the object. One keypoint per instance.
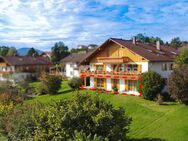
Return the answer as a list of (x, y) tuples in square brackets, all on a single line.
[(83, 75), (92, 75), (108, 91), (116, 76), (108, 76), (124, 77), (116, 92), (140, 85), (100, 76), (133, 78), (132, 94)]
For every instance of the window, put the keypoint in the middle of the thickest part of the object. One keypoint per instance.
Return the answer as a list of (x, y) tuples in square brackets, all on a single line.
[(129, 68), (135, 67), (71, 65), (115, 83), (164, 67), (71, 72), (171, 66), (100, 82), (132, 85), (122, 68), (99, 67)]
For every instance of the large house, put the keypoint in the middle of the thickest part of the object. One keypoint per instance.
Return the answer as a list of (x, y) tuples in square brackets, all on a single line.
[(119, 63), (73, 63), (17, 68)]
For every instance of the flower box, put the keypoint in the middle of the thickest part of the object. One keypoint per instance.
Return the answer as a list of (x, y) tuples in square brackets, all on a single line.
[(99, 91), (108, 91), (83, 88), (116, 92), (92, 89), (124, 93), (132, 94)]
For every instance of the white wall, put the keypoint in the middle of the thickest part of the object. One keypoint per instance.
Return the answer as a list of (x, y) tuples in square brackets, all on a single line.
[(157, 67), (108, 84), (122, 85), (16, 77), (71, 70), (145, 65)]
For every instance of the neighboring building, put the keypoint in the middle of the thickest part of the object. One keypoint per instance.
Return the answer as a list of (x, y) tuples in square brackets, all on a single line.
[(118, 63), (47, 54), (72, 63), (17, 68)]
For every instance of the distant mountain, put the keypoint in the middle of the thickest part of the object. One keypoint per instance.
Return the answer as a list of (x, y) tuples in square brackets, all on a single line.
[(24, 51)]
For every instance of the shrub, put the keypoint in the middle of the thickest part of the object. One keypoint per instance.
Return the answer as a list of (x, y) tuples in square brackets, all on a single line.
[(75, 83), (18, 124), (8, 102), (178, 84), (182, 58), (81, 136), (78, 118), (115, 89), (152, 84), (51, 83)]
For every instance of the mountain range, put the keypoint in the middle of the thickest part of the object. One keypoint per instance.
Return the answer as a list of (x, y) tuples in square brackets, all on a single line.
[(24, 51)]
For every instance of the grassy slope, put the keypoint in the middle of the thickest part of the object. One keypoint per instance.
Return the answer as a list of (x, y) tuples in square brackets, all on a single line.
[(169, 121)]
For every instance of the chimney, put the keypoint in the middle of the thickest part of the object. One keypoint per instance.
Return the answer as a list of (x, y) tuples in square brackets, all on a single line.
[(134, 40), (158, 45)]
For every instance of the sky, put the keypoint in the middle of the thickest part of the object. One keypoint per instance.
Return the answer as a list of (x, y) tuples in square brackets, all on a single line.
[(41, 23)]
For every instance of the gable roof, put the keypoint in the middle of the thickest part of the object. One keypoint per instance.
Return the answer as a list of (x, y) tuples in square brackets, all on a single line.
[(77, 57), (25, 60), (147, 51)]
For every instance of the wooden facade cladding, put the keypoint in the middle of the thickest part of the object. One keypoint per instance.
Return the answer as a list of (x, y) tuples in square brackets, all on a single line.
[(113, 60), (113, 52)]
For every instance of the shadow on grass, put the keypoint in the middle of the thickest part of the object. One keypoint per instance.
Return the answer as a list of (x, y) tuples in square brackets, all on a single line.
[(147, 139), (168, 104), (65, 91)]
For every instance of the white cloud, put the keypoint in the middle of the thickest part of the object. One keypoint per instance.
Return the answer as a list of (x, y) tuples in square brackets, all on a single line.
[(40, 23)]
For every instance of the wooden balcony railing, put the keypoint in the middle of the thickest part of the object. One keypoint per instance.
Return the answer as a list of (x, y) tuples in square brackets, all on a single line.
[(105, 74)]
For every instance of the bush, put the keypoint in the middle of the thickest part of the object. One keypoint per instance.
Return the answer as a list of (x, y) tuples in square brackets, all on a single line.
[(178, 84), (51, 83), (18, 124), (151, 83), (75, 83), (78, 118)]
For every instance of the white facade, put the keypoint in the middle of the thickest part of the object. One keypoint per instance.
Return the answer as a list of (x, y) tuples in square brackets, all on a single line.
[(158, 67), (71, 70), (145, 67), (16, 77)]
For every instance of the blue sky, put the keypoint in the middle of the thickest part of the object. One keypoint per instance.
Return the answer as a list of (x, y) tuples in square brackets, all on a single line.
[(41, 23)]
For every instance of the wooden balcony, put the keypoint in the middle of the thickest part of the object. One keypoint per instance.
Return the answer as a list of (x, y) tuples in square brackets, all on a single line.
[(113, 60), (114, 75)]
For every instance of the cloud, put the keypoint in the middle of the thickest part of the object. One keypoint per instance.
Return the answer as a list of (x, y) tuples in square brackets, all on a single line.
[(41, 23)]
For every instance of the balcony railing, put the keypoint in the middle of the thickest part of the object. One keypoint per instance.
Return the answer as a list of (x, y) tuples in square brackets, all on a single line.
[(105, 74)]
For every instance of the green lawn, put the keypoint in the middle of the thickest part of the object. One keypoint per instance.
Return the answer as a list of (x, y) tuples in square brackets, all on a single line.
[(150, 121)]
